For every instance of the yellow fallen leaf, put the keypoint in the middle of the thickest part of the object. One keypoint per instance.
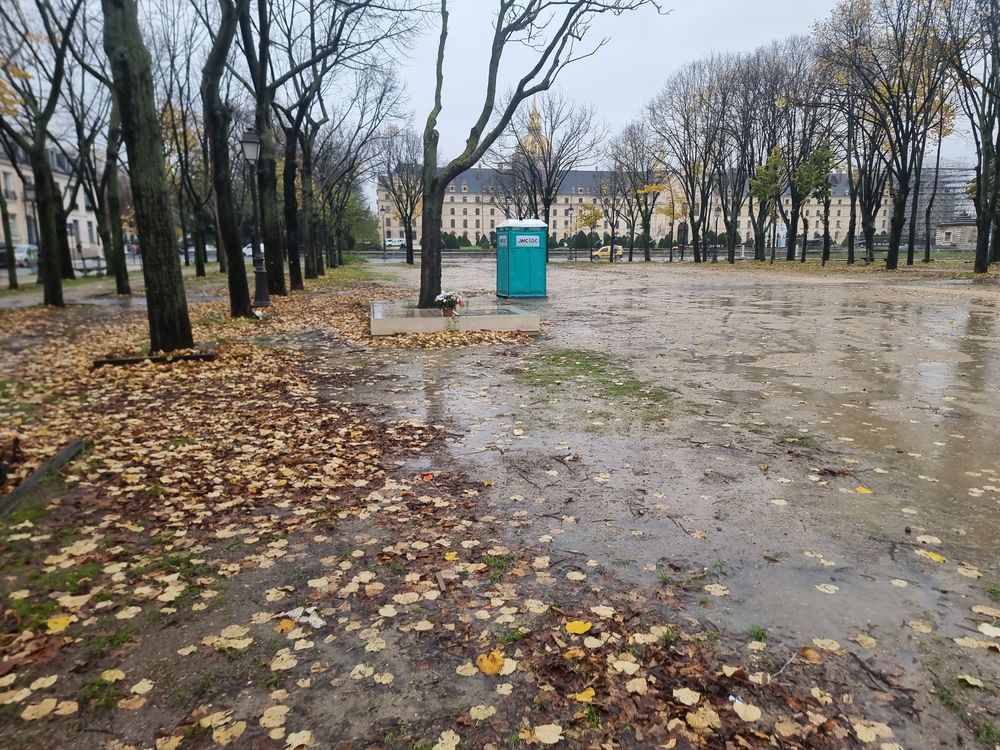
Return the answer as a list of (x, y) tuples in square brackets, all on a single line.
[(862, 490), (869, 731), (704, 719), (585, 696), (58, 623), (112, 675), (285, 625), (577, 627), (43, 682), (931, 555), (300, 740), (970, 680), (142, 687), (66, 708), (451, 555), (490, 663)]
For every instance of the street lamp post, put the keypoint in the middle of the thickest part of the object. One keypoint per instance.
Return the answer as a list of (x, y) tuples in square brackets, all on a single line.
[(251, 151), (385, 248), (715, 250)]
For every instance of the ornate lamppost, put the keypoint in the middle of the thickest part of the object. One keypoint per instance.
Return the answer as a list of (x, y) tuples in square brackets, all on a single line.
[(251, 151)]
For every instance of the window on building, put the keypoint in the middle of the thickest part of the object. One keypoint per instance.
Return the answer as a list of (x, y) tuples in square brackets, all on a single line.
[(452, 223), (465, 188), (579, 190), (90, 232), (388, 221), (451, 188), (465, 212), (388, 234), (465, 223), (493, 224), (493, 212), (15, 235), (565, 223), (452, 210), (477, 212), (477, 223)]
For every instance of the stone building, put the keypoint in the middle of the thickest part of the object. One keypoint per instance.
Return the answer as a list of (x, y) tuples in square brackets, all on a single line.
[(960, 234), (81, 222)]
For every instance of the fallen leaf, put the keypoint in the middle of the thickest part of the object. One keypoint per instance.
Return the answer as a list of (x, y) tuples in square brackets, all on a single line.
[(970, 680), (482, 712), (704, 719), (448, 740), (274, 716), (585, 696), (869, 731), (39, 710), (746, 711), (687, 696), (58, 623), (577, 627), (112, 675), (548, 734), (637, 685), (300, 740), (717, 589), (931, 555), (490, 663), (827, 588), (142, 687)]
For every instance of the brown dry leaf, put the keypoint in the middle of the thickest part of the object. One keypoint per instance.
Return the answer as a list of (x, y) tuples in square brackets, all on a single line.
[(703, 720), (637, 685), (133, 703), (811, 655)]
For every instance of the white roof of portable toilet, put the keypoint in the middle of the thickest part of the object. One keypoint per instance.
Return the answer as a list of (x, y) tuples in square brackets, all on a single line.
[(522, 224)]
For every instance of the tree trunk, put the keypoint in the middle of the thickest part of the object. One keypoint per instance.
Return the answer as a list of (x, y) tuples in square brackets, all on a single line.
[(217, 119), (912, 241), (169, 324), (47, 227), (8, 244), (62, 235), (308, 215), (792, 233), (408, 233), (198, 235), (805, 238), (646, 227), (270, 226), (896, 225), (852, 225), (826, 229), (430, 245), (115, 251), (292, 211)]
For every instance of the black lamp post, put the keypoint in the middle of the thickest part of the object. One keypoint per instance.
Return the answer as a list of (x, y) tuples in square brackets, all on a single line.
[(385, 247), (251, 151)]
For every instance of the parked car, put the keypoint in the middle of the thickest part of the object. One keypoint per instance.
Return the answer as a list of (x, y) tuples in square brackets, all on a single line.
[(26, 256), (605, 253), (248, 251), (395, 242)]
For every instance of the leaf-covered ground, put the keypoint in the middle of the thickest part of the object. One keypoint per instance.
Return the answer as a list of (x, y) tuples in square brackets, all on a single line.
[(241, 560)]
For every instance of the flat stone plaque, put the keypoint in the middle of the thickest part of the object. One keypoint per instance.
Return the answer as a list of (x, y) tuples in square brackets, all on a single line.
[(391, 317)]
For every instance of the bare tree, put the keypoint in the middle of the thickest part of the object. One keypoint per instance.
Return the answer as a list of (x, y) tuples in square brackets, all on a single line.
[(552, 29), (891, 52), (544, 144), (972, 44), (636, 158), (218, 121), (612, 191), (687, 118), (166, 303), (36, 40), (401, 177)]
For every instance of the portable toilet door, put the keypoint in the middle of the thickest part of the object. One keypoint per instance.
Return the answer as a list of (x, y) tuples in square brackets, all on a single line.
[(521, 246)]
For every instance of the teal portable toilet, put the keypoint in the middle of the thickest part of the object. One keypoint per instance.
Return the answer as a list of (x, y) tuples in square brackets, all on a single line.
[(521, 246)]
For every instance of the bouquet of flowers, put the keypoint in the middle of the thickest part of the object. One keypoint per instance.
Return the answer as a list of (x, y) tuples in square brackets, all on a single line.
[(449, 300)]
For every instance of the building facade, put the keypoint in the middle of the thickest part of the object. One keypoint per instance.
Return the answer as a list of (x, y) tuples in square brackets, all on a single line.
[(81, 221), (957, 235), (473, 207)]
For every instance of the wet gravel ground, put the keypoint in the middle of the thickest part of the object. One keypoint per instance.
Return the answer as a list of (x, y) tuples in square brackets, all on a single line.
[(828, 455)]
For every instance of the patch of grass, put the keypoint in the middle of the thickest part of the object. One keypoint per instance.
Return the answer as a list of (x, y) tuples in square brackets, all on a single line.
[(70, 580), (32, 613), (396, 567), (593, 715), (100, 694), (498, 565), (664, 578), (515, 740), (993, 592), (757, 633), (623, 562), (606, 377), (988, 731), (668, 637), (505, 634), (98, 645), (950, 701)]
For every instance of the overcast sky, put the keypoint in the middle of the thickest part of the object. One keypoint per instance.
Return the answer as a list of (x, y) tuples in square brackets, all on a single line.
[(642, 50)]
